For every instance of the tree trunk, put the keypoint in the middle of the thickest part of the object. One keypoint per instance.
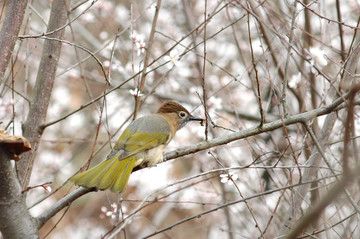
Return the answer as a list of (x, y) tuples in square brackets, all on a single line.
[(15, 219)]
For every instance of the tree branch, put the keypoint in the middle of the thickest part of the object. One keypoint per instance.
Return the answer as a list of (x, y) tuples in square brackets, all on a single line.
[(43, 88), (198, 215), (147, 57), (299, 118), (15, 219), (59, 205), (10, 31)]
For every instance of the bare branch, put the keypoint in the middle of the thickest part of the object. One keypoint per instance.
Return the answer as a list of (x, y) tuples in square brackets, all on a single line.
[(286, 73), (15, 219), (61, 204), (10, 31), (299, 118), (256, 74), (226, 205), (43, 88), (147, 57), (332, 194)]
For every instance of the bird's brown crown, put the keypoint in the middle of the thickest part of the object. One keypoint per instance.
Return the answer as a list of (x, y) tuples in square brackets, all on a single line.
[(171, 107)]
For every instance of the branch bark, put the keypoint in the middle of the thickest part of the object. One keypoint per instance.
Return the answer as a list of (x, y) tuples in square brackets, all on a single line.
[(10, 31), (62, 203), (43, 88), (147, 58), (15, 219)]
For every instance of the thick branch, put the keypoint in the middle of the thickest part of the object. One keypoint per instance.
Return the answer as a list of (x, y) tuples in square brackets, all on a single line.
[(10, 31), (62, 203), (15, 219), (43, 88)]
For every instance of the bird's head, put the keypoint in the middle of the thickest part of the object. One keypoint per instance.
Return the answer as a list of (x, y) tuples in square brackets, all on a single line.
[(177, 113)]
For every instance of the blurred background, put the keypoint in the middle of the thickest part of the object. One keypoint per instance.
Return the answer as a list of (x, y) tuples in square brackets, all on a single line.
[(251, 48)]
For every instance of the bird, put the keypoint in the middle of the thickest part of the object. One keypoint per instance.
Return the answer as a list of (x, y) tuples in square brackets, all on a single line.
[(140, 145)]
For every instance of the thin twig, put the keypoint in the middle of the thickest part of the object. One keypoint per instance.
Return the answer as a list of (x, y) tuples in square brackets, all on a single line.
[(187, 219), (262, 121), (86, 105), (61, 27), (147, 58), (332, 194), (203, 76), (84, 49), (326, 18), (341, 31), (286, 73)]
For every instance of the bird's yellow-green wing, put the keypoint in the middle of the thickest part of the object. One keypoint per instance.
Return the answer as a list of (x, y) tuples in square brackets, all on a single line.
[(143, 134), (140, 141), (113, 173)]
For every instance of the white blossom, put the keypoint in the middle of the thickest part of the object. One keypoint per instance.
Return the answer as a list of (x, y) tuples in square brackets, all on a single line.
[(138, 41), (109, 213), (136, 92), (140, 45), (295, 80), (173, 58), (318, 56), (228, 177)]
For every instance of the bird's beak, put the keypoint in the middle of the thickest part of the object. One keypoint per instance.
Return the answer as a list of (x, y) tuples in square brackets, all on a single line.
[(194, 118)]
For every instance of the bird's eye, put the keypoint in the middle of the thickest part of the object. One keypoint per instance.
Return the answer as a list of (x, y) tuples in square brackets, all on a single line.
[(182, 114)]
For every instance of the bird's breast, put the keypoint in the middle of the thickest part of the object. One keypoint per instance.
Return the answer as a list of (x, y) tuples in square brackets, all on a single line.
[(150, 157)]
